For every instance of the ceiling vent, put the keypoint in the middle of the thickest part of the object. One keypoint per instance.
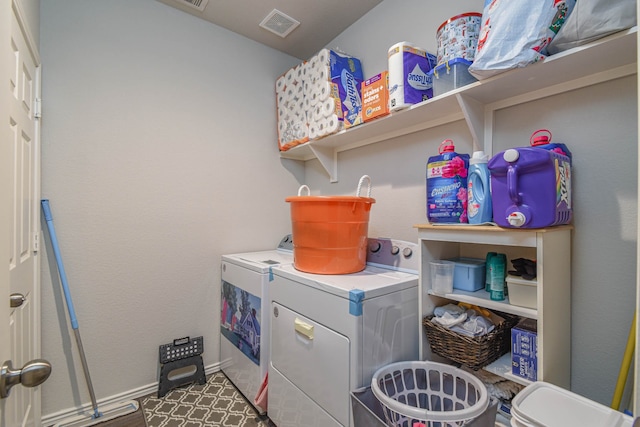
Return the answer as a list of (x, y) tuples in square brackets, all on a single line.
[(279, 23), (196, 4)]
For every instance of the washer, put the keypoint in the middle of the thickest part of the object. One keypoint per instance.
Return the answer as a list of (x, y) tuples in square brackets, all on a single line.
[(244, 316), (330, 333)]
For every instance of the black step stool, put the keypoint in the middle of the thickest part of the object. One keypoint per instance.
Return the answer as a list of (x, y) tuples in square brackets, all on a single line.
[(180, 354)]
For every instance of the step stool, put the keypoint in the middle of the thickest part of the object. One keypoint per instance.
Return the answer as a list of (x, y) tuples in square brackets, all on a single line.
[(180, 354)]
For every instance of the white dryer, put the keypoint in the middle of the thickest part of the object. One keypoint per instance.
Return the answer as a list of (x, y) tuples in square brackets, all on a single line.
[(245, 314), (330, 333)]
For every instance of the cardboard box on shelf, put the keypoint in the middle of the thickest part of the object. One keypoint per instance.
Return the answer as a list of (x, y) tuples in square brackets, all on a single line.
[(375, 96), (524, 349)]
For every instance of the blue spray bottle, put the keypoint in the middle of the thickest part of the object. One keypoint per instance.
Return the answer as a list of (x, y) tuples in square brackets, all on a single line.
[(479, 209)]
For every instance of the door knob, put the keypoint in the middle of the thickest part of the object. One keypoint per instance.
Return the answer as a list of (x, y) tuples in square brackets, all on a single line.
[(16, 300), (33, 373)]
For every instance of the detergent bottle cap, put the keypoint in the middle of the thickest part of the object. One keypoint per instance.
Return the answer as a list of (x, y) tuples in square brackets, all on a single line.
[(541, 139), (446, 146), (478, 157)]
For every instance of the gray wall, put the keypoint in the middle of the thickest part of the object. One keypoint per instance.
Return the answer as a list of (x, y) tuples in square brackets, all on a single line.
[(598, 123), (159, 155)]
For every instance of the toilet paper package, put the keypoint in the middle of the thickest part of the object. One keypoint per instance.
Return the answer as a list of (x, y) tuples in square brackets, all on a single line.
[(318, 97), (409, 79), (292, 108)]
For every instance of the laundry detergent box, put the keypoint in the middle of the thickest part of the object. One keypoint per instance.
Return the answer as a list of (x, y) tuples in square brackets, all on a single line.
[(347, 75), (409, 79), (447, 185), (375, 96), (524, 349)]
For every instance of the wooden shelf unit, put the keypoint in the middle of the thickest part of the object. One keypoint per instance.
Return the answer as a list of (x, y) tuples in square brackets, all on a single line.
[(550, 247)]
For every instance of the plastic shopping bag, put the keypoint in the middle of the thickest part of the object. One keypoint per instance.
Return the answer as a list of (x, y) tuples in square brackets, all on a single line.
[(593, 19), (516, 33)]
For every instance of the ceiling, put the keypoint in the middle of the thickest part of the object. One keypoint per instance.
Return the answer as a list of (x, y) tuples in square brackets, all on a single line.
[(320, 20)]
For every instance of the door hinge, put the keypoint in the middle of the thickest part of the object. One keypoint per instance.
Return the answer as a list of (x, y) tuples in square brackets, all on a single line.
[(37, 112), (36, 242)]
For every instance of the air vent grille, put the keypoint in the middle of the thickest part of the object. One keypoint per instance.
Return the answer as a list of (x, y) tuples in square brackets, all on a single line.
[(279, 23), (196, 4)]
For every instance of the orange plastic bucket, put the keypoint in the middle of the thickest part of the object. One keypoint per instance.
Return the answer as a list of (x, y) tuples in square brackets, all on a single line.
[(330, 232)]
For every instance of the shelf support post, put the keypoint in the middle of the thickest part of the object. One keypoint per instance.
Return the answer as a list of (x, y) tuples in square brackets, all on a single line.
[(475, 116), (328, 158)]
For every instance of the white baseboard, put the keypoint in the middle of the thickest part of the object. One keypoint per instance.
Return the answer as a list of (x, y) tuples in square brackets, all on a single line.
[(146, 390)]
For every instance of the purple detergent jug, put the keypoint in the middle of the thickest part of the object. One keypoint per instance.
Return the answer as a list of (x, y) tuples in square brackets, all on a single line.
[(531, 188)]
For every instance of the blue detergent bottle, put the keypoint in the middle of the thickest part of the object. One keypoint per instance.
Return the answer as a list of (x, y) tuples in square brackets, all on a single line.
[(479, 209)]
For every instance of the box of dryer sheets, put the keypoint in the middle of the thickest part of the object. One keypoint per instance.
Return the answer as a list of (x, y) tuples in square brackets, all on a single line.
[(347, 75), (524, 349), (375, 96)]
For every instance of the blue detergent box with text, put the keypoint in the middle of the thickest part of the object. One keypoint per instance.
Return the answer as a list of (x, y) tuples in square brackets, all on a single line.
[(524, 349)]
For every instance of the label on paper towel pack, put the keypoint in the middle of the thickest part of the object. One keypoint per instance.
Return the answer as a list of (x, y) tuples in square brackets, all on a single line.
[(375, 96), (409, 79), (346, 73)]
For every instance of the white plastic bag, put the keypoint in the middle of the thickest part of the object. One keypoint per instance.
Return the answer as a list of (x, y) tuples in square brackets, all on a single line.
[(516, 33), (593, 19)]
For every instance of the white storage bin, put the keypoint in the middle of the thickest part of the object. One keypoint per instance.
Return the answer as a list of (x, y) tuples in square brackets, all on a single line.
[(522, 292), (542, 404)]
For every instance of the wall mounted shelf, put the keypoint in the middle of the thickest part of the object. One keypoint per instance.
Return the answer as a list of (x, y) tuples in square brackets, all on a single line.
[(605, 59)]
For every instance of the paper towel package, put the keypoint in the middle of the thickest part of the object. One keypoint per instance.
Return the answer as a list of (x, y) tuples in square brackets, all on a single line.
[(409, 80), (346, 74), (375, 96)]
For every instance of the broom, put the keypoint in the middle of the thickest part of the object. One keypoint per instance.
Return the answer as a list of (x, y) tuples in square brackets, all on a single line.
[(109, 412)]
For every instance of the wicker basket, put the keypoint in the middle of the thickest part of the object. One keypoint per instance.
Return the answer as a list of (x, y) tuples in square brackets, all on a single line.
[(472, 352)]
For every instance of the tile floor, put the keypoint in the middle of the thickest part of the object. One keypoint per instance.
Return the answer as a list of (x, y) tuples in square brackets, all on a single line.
[(216, 403)]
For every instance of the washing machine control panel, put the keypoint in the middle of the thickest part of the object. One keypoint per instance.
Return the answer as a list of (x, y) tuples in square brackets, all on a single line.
[(392, 253), (286, 243)]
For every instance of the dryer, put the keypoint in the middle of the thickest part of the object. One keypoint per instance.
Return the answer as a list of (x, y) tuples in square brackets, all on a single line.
[(245, 314), (330, 333)]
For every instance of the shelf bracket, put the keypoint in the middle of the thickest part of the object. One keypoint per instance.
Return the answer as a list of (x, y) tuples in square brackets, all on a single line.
[(328, 158), (474, 115)]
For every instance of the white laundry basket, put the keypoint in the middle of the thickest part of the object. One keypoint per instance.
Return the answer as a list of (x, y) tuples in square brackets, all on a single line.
[(428, 394)]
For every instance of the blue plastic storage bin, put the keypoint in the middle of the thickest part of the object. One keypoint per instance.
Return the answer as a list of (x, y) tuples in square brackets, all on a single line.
[(451, 75), (468, 274)]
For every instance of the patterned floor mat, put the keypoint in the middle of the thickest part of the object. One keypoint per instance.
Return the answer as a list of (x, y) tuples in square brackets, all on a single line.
[(216, 403)]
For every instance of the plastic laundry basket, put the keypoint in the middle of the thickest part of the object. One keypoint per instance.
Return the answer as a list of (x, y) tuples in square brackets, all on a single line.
[(428, 394)]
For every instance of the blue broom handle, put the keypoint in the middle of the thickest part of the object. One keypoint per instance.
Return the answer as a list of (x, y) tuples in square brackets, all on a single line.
[(56, 250)]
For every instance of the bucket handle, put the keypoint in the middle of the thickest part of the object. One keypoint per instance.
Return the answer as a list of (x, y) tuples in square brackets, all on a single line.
[(302, 188), (368, 185)]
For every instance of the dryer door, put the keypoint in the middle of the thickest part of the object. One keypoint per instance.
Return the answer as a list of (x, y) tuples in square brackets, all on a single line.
[(312, 357)]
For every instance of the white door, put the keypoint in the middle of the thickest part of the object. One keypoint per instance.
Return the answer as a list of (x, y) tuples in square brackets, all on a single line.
[(5, 194), (21, 193)]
